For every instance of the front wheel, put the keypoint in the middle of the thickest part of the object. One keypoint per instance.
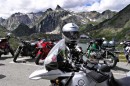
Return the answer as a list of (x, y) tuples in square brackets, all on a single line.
[(16, 54), (111, 60), (37, 59)]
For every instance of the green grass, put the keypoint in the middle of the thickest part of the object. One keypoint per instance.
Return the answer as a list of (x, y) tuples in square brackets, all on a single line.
[(121, 57)]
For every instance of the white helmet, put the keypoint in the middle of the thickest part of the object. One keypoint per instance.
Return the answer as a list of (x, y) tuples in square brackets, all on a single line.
[(70, 32), (105, 43), (112, 43)]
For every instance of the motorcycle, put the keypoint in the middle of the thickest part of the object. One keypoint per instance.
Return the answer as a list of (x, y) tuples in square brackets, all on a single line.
[(126, 50), (25, 48), (5, 47), (80, 74), (43, 50), (106, 53)]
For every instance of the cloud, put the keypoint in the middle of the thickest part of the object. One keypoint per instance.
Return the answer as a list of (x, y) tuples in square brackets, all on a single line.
[(115, 5), (8, 7)]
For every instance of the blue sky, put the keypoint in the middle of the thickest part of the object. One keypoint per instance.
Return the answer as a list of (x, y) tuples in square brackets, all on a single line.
[(8, 7)]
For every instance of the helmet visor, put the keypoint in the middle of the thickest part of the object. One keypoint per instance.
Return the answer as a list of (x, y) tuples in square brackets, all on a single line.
[(72, 35)]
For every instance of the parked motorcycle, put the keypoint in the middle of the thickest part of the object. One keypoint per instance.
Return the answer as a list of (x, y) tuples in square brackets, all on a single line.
[(126, 50), (107, 53), (80, 74), (5, 47), (25, 48), (43, 50)]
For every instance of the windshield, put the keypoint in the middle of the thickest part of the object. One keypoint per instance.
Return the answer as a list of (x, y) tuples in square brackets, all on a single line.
[(54, 51)]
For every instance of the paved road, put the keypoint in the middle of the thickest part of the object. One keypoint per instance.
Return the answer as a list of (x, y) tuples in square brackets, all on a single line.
[(16, 74)]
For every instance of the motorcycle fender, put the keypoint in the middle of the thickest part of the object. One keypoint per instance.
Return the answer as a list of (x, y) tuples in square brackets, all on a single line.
[(39, 52), (44, 74)]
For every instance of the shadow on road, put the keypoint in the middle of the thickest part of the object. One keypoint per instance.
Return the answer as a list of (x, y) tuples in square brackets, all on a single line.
[(121, 69), (30, 60), (25, 60), (2, 76), (1, 64)]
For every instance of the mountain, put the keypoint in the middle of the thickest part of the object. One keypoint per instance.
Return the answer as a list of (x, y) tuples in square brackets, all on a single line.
[(118, 26), (23, 29), (1, 20), (117, 21), (15, 19), (51, 21), (98, 17)]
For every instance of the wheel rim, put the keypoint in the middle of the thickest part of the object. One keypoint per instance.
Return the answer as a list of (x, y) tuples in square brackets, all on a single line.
[(110, 60)]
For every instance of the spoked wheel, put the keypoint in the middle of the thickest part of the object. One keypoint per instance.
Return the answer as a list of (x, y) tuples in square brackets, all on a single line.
[(110, 60)]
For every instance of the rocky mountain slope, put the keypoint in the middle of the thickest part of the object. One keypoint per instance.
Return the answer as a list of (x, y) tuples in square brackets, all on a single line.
[(50, 21), (117, 21), (118, 26)]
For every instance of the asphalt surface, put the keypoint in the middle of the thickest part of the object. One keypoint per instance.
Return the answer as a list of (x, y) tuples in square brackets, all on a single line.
[(16, 74)]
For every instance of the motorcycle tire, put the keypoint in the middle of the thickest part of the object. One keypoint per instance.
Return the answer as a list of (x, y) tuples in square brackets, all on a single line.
[(16, 54), (0, 55), (33, 56), (112, 57), (37, 59)]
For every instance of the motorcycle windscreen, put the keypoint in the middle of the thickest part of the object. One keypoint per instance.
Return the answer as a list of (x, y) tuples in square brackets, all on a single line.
[(52, 58)]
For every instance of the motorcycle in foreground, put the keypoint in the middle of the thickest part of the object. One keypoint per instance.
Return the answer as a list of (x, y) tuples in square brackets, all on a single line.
[(5, 47), (25, 48), (43, 50), (75, 73)]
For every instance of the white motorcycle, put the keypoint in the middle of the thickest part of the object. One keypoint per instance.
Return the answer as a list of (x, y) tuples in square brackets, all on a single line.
[(127, 50), (89, 74)]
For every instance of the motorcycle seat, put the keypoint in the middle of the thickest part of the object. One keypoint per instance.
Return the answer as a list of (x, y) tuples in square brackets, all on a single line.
[(123, 81)]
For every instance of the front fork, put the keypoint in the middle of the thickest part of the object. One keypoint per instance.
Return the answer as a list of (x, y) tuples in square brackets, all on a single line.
[(41, 53)]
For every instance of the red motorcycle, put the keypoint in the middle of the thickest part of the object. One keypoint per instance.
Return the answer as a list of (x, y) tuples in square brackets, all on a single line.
[(43, 50), (5, 47)]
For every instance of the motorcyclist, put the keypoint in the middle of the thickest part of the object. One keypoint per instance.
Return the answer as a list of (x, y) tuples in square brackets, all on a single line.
[(70, 34)]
